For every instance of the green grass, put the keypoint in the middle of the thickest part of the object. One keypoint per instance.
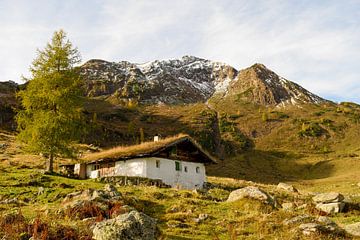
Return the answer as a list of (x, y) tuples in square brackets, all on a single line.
[(311, 162), (174, 209)]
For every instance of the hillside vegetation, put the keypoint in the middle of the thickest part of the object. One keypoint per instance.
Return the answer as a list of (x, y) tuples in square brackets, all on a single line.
[(263, 128), (34, 201)]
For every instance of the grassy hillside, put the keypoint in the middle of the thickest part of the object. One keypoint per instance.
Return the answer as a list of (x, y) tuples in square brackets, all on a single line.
[(264, 144), (175, 210)]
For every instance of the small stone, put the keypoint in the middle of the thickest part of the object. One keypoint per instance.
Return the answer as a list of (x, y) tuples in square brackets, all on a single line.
[(310, 228), (331, 197), (287, 206), (297, 219), (202, 217), (330, 207), (302, 206), (41, 191), (324, 220), (173, 209), (353, 229), (286, 187), (97, 195), (10, 201)]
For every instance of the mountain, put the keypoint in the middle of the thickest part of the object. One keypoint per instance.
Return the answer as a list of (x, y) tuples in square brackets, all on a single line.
[(190, 80), (262, 86)]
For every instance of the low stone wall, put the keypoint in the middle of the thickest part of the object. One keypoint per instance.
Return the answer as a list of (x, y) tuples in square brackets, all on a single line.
[(129, 181)]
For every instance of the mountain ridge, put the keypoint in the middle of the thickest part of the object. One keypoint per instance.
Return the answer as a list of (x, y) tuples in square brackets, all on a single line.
[(188, 80)]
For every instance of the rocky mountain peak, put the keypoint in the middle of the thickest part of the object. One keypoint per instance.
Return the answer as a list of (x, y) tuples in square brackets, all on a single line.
[(189, 79), (263, 86)]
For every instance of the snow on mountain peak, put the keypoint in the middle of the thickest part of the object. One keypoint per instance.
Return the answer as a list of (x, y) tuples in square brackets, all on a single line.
[(187, 80)]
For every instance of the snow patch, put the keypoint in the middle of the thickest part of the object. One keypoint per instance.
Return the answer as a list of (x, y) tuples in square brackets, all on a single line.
[(222, 87)]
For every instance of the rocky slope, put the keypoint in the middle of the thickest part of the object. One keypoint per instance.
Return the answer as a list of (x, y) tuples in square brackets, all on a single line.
[(186, 80), (261, 85), (189, 80)]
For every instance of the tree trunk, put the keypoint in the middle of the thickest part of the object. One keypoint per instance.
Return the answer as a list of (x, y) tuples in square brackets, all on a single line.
[(50, 163)]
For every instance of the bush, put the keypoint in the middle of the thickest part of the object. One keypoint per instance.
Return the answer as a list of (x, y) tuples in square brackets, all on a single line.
[(311, 130)]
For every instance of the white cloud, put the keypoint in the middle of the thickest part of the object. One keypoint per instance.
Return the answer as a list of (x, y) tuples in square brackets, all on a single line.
[(314, 43)]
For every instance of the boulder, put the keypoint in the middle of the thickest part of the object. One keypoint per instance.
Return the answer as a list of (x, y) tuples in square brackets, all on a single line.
[(332, 197), (131, 226), (329, 225), (298, 219), (111, 191), (250, 192), (353, 229), (286, 187), (311, 228), (324, 220), (330, 207)]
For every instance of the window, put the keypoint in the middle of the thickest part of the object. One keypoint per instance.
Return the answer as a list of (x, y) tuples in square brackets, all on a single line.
[(177, 166), (197, 169), (95, 167), (185, 169), (173, 151), (157, 163)]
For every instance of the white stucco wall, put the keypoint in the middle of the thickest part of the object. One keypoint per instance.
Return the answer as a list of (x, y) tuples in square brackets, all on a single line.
[(146, 167), (181, 179), (133, 167)]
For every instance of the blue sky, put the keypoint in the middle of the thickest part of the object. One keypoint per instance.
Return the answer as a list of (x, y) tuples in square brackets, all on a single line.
[(314, 43)]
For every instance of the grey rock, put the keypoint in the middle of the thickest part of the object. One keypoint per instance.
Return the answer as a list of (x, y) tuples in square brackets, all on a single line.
[(331, 197), (298, 219), (177, 225), (325, 220), (311, 228), (286, 187), (330, 207), (202, 217), (130, 226), (10, 201), (111, 190), (250, 192), (353, 229)]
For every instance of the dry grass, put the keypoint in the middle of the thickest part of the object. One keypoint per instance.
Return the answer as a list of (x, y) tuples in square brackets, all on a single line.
[(142, 149)]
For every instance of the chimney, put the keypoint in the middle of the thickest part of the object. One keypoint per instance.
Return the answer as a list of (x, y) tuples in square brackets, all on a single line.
[(156, 138)]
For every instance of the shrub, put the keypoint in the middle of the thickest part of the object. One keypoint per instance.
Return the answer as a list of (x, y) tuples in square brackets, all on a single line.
[(86, 210), (311, 130), (13, 226)]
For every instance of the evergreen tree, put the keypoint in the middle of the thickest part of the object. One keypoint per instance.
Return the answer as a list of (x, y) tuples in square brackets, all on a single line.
[(50, 119)]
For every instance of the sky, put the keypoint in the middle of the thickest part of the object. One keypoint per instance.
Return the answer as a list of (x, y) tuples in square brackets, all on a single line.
[(313, 43)]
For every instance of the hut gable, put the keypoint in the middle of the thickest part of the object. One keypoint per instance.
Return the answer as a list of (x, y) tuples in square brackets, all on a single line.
[(181, 147)]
